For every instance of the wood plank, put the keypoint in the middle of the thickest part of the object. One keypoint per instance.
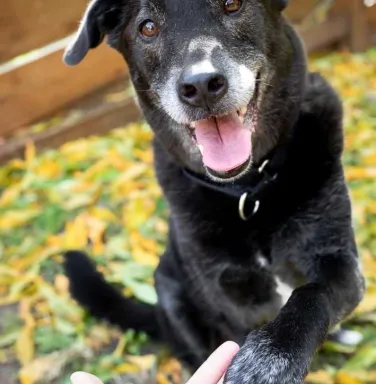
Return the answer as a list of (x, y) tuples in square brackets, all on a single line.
[(90, 116), (299, 9), (371, 12), (26, 25), (359, 26), (342, 6), (329, 32), (29, 24), (40, 88)]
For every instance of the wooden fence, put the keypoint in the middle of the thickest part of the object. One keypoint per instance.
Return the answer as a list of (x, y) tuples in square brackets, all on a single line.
[(88, 99)]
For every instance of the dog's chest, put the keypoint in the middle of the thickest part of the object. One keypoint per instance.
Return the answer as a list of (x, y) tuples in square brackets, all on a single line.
[(250, 296), (283, 277)]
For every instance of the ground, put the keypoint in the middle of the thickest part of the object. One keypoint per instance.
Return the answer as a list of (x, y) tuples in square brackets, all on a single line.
[(100, 194)]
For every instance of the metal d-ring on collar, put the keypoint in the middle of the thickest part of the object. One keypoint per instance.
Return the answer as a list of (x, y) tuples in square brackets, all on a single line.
[(252, 194), (243, 199), (242, 202)]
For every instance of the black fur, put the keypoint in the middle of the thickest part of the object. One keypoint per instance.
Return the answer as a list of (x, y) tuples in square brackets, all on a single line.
[(89, 288), (218, 278)]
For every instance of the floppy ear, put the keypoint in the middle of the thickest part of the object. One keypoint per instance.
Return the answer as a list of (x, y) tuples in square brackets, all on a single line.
[(92, 30), (281, 4)]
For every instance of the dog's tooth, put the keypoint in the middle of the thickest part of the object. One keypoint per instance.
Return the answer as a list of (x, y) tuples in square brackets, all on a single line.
[(201, 149), (241, 118), (192, 125), (243, 111)]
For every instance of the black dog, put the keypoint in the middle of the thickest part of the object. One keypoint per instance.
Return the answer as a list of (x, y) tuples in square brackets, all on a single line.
[(248, 153)]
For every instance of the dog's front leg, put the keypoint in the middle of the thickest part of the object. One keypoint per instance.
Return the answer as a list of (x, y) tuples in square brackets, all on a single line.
[(281, 351), (177, 316)]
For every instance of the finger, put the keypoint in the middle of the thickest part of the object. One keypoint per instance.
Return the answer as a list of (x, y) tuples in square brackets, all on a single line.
[(84, 378), (216, 365)]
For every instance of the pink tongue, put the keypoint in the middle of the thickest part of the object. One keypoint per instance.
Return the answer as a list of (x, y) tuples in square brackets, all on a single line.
[(226, 142)]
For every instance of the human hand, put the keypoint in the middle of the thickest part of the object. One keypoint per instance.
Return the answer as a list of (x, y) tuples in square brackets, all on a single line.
[(84, 378), (214, 368), (211, 372)]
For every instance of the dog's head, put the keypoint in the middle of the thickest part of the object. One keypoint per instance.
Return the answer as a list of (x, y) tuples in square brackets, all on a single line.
[(206, 72)]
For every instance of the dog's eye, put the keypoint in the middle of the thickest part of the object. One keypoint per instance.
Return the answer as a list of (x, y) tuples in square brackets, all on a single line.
[(149, 29), (232, 6)]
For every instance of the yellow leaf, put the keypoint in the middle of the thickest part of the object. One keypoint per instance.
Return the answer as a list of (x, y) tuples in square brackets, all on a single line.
[(346, 378), (96, 169), (145, 156), (54, 241), (371, 207), (17, 164), (119, 188), (9, 196), (369, 264), (161, 379), (100, 336), (103, 214), (13, 219), (144, 363), (132, 173), (368, 376), (42, 308), (25, 345), (25, 341), (137, 211), (76, 151), (61, 284), (142, 257), (117, 160), (6, 270), (368, 304), (30, 152), (370, 159), (362, 376), (48, 169), (161, 227), (170, 368), (47, 369), (355, 173), (319, 377), (81, 186), (118, 352), (36, 256), (76, 233), (144, 250), (126, 368), (81, 200), (96, 229)]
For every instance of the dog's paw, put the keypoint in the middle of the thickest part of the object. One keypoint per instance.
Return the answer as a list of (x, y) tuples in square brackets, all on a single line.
[(260, 361)]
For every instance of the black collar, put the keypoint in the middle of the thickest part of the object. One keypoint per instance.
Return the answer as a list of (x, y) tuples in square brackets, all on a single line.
[(260, 181)]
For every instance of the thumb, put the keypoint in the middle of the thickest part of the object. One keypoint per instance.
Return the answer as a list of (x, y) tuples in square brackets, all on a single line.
[(84, 378)]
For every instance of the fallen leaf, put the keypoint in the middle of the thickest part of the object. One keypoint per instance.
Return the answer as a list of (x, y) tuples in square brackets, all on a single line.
[(346, 378)]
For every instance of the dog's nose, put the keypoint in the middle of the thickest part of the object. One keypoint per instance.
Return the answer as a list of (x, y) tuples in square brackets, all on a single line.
[(202, 89)]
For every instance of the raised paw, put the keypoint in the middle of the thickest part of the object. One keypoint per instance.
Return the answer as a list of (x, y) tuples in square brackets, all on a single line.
[(261, 361)]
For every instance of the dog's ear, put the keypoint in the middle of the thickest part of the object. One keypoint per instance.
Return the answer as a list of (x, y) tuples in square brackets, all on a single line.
[(281, 4), (99, 18)]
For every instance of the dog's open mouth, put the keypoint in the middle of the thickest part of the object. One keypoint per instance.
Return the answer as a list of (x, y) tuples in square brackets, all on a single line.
[(225, 141)]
